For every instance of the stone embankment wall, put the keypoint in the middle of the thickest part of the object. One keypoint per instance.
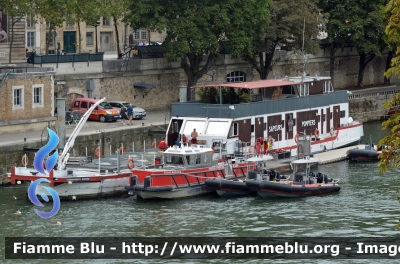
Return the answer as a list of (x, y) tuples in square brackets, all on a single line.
[(136, 138), (366, 105)]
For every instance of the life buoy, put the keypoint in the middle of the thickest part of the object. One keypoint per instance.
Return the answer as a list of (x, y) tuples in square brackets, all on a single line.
[(154, 144), (296, 138), (131, 163), (122, 150), (316, 133), (332, 131), (24, 161), (98, 152), (251, 149)]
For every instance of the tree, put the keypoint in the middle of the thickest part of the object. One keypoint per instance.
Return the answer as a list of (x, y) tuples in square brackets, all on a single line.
[(194, 30), (116, 9), (286, 28), (88, 11), (53, 12), (358, 23), (15, 10), (390, 156)]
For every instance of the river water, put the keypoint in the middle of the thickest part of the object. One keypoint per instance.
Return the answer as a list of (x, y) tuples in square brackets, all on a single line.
[(366, 206)]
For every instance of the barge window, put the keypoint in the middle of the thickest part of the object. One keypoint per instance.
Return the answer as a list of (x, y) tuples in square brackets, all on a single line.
[(234, 131), (343, 113), (217, 128), (328, 87), (303, 89), (190, 124)]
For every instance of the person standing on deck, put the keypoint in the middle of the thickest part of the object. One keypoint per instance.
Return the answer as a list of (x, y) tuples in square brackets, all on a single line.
[(194, 136), (130, 113)]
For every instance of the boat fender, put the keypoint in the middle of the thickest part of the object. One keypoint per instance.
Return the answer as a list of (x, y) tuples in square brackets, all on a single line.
[(316, 133), (24, 160), (146, 182), (131, 163), (332, 131), (98, 152), (296, 138), (133, 181)]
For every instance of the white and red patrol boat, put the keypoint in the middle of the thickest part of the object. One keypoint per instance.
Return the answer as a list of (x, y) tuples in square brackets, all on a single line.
[(76, 181), (182, 172)]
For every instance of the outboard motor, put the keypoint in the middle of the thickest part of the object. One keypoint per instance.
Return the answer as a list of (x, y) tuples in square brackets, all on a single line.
[(146, 182)]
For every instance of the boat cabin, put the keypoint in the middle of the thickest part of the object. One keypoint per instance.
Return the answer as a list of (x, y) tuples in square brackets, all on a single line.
[(187, 157)]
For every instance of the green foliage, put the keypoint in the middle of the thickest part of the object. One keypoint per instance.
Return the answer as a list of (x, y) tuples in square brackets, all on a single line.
[(194, 29), (392, 31), (286, 27), (389, 158), (357, 22)]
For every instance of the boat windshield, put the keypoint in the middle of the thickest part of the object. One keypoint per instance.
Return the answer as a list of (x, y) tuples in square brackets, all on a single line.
[(171, 159), (191, 124), (217, 128)]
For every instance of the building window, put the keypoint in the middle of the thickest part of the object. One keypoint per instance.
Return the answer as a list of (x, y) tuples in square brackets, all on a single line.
[(89, 38), (106, 22), (30, 39), (342, 113), (236, 76), (69, 25), (47, 24), (37, 95), (141, 34), (51, 41), (18, 97), (30, 22)]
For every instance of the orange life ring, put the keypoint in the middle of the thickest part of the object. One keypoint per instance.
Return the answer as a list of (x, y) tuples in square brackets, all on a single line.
[(296, 138), (154, 144), (122, 150), (316, 133), (24, 163), (131, 163), (98, 152), (251, 149)]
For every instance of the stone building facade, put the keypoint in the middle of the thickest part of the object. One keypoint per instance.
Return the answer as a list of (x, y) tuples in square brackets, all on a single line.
[(26, 101)]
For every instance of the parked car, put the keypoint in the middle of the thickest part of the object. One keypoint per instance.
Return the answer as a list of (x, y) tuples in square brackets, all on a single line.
[(102, 112), (137, 111), (393, 110)]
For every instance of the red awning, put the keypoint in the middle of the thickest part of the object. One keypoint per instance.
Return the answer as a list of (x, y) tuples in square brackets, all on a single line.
[(250, 85)]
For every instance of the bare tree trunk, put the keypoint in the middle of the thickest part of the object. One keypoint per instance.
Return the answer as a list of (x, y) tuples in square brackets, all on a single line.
[(387, 66), (362, 64), (117, 37), (332, 62), (193, 71), (79, 38), (48, 40), (268, 63)]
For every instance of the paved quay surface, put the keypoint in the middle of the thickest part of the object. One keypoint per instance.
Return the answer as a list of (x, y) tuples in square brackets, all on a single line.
[(158, 118)]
